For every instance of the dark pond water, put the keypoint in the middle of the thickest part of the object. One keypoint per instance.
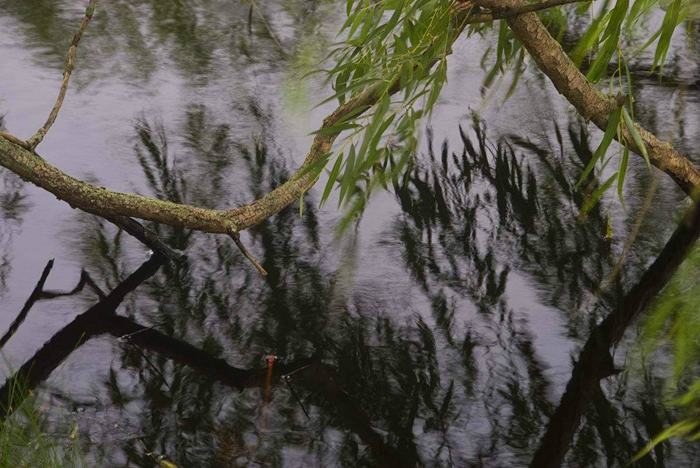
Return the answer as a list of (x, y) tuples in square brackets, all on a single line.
[(442, 331)]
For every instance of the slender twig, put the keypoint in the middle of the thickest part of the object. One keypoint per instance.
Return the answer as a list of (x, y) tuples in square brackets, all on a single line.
[(148, 361), (607, 281), (269, 30), (237, 239), (13, 139), (291, 389), (147, 237), (129, 436), (34, 141), (128, 336), (36, 294), (270, 363), (286, 376)]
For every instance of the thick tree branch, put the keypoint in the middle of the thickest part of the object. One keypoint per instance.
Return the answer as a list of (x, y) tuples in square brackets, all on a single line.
[(37, 138), (591, 103)]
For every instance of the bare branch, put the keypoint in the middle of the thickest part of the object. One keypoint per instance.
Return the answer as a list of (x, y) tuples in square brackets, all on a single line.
[(13, 139), (109, 204), (149, 238), (237, 239), (480, 16), (34, 141)]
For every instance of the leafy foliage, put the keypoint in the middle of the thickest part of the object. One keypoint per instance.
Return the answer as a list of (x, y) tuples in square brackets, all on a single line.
[(404, 44), (674, 322), (389, 44)]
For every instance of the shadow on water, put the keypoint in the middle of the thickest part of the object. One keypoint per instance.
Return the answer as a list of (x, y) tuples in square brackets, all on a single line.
[(13, 206)]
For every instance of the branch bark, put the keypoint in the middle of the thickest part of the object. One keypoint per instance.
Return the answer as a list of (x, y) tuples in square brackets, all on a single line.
[(111, 205), (473, 17), (591, 103)]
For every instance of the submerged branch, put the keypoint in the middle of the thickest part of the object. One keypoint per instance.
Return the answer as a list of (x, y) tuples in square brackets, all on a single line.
[(33, 298), (595, 361), (37, 369)]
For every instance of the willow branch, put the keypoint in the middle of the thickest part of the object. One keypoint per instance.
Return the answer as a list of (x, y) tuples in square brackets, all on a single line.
[(110, 204), (591, 103), (37, 138), (479, 16)]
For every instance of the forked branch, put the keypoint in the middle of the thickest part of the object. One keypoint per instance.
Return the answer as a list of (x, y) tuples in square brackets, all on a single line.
[(110, 204)]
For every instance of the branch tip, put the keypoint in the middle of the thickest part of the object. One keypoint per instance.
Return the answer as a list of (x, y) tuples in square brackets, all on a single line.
[(38, 137), (237, 239)]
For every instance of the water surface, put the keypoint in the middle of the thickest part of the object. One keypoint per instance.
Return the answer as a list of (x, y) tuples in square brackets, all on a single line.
[(440, 331)]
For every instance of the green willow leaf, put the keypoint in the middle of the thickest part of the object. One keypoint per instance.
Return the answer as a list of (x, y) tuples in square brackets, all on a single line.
[(348, 178), (590, 38), (595, 196), (611, 36), (679, 429), (333, 129), (610, 131), (622, 171), (636, 136), (668, 26), (332, 179)]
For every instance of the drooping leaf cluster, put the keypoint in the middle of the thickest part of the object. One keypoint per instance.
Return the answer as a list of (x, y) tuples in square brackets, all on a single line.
[(393, 45), (390, 45), (673, 323)]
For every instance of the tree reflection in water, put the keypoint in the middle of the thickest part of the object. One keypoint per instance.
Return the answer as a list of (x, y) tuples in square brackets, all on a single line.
[(382, 387)]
